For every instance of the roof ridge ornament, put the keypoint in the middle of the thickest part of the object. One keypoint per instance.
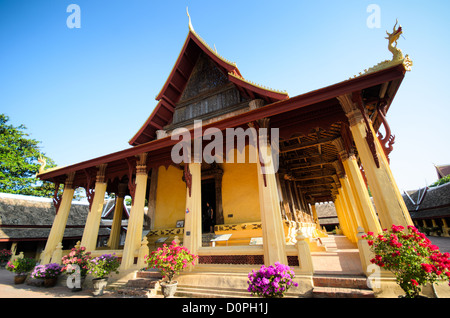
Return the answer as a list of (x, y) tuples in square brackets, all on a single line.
[(191, 28), (397, 54), (392, 38)]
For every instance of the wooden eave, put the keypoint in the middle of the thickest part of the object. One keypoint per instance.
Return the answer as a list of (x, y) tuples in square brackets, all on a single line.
[(284, 114)]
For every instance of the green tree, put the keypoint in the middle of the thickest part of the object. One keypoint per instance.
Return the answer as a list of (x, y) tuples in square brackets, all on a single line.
[(441, 181), (19, 155)]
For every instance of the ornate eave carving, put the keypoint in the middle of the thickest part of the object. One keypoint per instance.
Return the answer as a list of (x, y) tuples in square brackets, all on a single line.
[(388, 140)]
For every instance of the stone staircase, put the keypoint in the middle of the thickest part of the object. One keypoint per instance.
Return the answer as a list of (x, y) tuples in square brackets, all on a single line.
[(145, 285), (341, 286), (209, 292)]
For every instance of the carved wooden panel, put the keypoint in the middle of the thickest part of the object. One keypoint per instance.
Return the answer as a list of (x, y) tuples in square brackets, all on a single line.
[(207, 91), (205, 76)]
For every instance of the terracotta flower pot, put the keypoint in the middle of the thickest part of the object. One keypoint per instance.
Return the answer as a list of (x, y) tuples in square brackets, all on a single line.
[(50, 282), (169, 289), (20, 278)]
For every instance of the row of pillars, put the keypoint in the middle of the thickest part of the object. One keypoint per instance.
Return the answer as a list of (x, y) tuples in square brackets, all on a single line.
[(92, 225), (353, 204), (271, 219)]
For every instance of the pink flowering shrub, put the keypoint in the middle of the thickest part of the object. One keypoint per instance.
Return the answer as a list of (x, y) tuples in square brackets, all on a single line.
[(79, 257), (21, 266), (272, 281), (170, 260), (410, 256), (5, 255)]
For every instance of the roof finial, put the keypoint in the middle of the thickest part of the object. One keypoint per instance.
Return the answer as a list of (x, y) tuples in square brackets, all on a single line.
[(191, 28)]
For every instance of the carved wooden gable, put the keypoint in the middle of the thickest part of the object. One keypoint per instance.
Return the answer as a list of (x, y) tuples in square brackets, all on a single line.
[(208, 93)]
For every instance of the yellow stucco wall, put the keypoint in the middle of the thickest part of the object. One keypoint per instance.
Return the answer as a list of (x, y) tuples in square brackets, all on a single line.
[(240, 196), (170, 198)]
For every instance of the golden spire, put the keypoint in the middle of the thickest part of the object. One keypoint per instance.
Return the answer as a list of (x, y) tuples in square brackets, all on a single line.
[(191, 28)]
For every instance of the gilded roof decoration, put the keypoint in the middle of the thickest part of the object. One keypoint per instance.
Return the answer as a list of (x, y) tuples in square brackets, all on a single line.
[(397, 54), (257, 85)]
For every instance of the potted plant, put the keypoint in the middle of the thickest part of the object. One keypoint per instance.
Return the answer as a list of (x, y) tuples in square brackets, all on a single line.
[(271, 282), (100, 267), (410, 256), (49, 273), (170, 261), (5, 255), (21, 267), (76, 267)]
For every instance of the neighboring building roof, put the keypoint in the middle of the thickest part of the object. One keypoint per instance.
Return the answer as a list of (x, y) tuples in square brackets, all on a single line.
[(27, 218), (326, 213), (442, 171), (429, 202)]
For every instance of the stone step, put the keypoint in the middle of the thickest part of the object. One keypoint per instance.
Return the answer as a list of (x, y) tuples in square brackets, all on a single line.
[(143, 283), (358, 282), (336, 292), (143, 286), (199, 292), (330, 286), (151, 274), (208, 292), (135, 292)]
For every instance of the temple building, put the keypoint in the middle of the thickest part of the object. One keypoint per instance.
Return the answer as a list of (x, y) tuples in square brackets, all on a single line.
[(429, 208), (26, 222), (234, 170)]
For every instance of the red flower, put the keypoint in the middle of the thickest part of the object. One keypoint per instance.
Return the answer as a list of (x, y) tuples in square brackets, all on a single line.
[(414, 282), (427, 268), (397, 229)]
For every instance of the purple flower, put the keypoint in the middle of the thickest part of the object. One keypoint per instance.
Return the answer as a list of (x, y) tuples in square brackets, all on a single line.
[(271, 281)]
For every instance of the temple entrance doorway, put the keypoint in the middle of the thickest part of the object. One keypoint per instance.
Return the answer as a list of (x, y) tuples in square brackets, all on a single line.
[(208, 198)]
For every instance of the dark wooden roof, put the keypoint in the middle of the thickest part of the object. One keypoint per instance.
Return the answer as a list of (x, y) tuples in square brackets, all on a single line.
[(428, 203), (175, 84), (25, 218)]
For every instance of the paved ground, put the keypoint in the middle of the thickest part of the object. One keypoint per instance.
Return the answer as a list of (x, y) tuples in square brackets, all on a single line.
[(341, 257), (9, 290), (442, 242)]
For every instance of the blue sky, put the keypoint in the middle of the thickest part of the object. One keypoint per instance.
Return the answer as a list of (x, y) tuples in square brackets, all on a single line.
[(84, 92)]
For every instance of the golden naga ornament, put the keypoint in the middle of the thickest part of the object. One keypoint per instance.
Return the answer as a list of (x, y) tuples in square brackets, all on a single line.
[(397, 54)]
